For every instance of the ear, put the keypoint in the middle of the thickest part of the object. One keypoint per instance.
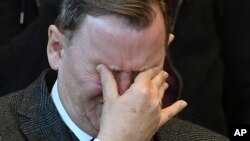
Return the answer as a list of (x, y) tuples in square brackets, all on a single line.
[(54, 47), (170, 38)]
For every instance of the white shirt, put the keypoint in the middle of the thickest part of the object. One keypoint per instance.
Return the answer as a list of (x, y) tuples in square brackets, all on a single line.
[(81, 135)]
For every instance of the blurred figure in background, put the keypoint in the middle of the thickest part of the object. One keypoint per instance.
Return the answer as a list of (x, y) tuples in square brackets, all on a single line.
[(23, 41), (211, 56)]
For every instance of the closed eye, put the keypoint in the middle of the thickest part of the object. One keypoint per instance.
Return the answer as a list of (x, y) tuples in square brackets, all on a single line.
[(133, 75)]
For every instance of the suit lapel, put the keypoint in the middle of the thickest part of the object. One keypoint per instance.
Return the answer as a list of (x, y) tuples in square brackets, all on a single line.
[(39, 119)]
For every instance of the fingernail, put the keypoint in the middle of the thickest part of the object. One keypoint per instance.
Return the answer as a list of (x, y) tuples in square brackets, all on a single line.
[(165, 74), (183, 103), (165, 85), (98, 67)]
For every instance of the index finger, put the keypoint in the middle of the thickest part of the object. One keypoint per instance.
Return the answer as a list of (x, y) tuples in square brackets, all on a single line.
[(109, 86), (145, 77)]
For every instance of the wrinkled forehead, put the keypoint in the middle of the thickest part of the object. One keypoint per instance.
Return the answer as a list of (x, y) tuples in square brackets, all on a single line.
[(113, 43)]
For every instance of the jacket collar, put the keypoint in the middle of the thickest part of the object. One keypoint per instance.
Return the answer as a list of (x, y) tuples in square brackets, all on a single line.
[(39, 119)]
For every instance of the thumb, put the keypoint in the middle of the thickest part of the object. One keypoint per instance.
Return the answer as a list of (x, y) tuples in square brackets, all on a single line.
[(109, 86)]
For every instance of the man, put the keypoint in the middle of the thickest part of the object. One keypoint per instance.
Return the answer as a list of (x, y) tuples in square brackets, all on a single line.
[(109, 84)]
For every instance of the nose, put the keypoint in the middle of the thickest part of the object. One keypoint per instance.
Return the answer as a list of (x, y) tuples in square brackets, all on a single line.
[(124, 81)]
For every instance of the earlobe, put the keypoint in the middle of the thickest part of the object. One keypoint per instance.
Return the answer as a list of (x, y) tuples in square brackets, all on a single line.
[(170, 38), (54, 47)]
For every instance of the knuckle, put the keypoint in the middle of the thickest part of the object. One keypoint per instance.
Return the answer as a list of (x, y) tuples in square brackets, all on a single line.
[(142, 91)]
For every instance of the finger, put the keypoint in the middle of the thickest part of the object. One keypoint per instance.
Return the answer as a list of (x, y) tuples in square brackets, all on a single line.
[(170, 38), (169, 112), (162, 90), (157, 85), (159, 79), (144, 78), (109, 86)]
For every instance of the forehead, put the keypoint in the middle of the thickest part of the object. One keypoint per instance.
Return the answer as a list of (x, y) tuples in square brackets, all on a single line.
[(110, 40)]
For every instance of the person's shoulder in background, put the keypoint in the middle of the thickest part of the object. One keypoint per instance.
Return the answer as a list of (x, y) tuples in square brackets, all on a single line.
[(24, 57)]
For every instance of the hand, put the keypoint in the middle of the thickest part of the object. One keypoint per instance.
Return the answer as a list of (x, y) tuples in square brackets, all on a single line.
[(136, 115)]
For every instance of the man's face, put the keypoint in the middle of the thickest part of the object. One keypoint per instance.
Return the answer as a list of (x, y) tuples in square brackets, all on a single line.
[(106, 40)]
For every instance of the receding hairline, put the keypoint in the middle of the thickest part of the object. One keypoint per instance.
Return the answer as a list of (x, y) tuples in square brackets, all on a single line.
[(69, 26), (99, 23)]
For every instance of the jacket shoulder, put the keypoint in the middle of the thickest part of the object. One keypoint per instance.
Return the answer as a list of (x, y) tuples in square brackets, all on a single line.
[(9, 102), (177, 129), (8, 115)]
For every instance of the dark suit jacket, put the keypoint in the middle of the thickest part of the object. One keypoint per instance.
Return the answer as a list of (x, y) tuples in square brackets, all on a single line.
[(30, 114)]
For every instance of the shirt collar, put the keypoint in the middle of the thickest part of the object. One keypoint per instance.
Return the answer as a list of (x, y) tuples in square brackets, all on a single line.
[(81, 135)]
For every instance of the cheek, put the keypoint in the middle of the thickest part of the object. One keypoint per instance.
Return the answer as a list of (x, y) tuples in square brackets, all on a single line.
[(88, 83), (92, 85), (94, 90)]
